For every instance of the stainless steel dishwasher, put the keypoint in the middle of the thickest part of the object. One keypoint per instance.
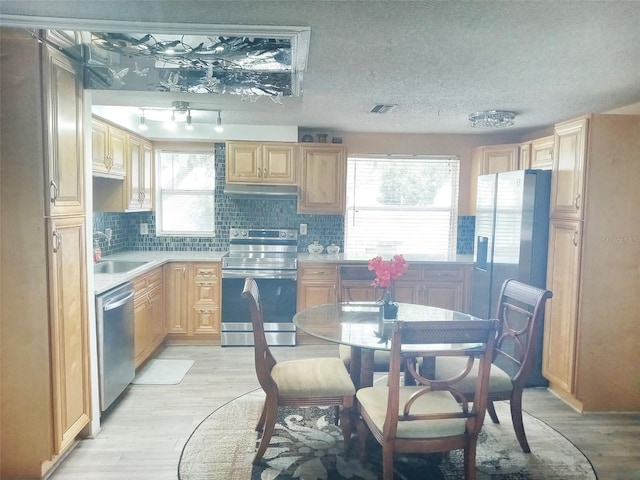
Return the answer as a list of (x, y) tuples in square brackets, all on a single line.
[(114, 315)]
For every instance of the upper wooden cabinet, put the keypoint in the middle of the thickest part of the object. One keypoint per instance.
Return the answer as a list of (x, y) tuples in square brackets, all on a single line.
[(64, 111), (139, 180), (569, 157), (272, 163), (492, 159), (132, 192), (323, 179), (109, 149), (498, 158), (541, 154)]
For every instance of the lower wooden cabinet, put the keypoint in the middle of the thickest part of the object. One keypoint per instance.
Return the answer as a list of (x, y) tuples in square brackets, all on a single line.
[(444, 286), (316, 286), (148, 306), (192, 301)]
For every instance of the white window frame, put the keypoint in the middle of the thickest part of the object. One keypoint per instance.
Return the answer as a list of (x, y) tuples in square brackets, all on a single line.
[(187, 150), (384, 238)]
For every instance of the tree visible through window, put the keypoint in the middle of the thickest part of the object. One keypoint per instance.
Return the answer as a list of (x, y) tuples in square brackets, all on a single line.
[(405, 205), (186, 193)]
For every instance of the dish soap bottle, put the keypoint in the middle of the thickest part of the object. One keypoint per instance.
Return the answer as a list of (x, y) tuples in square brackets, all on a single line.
[(97, 253)]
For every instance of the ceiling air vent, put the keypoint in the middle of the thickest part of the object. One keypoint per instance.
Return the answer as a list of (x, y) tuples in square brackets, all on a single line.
[(382, 108)]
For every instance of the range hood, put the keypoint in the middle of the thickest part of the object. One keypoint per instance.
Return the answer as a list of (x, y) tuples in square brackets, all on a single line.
[(276, 192)]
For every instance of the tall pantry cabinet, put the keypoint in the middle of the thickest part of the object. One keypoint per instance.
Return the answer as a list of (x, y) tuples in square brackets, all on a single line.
[(44, 347), (592, 326)]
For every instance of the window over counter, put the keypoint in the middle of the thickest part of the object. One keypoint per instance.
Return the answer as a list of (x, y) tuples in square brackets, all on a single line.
[(186, 185), (402, 204)]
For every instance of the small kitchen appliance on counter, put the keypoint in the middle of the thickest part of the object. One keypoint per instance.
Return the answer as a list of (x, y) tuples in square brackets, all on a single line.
[(270, 256)]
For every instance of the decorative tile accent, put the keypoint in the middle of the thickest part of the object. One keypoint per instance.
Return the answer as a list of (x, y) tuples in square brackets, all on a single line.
[(466, 234), (249, 213)]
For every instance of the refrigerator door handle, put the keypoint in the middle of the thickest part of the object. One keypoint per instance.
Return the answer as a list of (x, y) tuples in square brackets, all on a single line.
[(481, 249)]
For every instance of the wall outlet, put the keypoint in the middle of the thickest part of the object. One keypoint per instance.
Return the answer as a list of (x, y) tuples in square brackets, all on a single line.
[(303, 229), (144, 229), (109, 233)]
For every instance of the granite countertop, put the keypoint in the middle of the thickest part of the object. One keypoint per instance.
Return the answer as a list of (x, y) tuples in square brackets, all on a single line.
[(106, 281), (363, 258)]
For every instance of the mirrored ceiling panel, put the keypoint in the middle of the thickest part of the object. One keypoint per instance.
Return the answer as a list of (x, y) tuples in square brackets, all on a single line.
[(264, 62)]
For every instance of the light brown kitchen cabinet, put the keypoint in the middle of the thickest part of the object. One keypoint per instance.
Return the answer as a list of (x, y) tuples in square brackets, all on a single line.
[(541, 154), (591, 325), (492, 159), (323, 177), (149, 326), (139, 180), (134, 192), (498, 158), (193, 299), (46, 392), (109, 149), (317, 284), (273, 163), (567, 182)]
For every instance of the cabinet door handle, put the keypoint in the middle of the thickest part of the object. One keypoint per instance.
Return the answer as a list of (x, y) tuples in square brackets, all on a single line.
[(576, 202), (575, 238), (149, 301), (53, 191), (264, 173), (56, 241)]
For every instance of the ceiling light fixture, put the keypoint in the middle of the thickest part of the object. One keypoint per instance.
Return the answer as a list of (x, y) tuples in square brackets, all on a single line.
[(492, 119), (218, 127), (143, 123)]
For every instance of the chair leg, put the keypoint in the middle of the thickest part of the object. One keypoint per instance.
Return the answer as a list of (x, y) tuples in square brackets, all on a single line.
[(345, 425), (260, 424), (387, 461), (516, 418), (362, 437), (271, 412), (491, 410), (470, 461)]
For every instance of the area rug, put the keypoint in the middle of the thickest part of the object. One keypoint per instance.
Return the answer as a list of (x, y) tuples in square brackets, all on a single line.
[(163, 372), (307, 445)]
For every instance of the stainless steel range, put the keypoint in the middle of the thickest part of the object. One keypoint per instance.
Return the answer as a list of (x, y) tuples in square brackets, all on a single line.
[(270, 256)]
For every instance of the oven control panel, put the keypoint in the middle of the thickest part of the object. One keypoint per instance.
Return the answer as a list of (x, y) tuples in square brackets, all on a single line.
[(262, 234)]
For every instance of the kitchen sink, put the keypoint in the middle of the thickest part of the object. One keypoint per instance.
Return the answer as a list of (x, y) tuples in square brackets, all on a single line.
[(116, 266)]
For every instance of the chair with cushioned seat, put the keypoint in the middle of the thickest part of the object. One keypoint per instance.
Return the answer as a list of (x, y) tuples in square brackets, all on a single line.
[(432, 416), (295, 383), (520, 311)]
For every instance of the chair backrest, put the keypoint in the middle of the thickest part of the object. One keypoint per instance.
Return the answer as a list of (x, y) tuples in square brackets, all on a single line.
[(474, 339), (520, 310), (264, 360)]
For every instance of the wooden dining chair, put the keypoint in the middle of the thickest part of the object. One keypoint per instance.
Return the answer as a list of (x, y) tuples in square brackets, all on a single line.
[(295, 383), (432, 416), (520, 311)]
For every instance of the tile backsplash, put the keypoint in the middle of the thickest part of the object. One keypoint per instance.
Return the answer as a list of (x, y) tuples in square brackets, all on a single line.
[(249, 213)]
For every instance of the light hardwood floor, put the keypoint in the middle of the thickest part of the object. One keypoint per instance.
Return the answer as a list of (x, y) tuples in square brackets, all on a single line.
[(142, 437)]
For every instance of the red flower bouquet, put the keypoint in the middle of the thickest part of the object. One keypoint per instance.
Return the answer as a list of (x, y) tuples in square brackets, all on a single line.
[(387, 270)]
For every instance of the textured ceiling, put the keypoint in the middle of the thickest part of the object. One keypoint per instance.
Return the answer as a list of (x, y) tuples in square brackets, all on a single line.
[(436, 61)]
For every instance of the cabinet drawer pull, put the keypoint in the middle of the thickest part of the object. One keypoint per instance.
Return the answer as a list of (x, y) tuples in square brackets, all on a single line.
[(57, 241), (53, 191)]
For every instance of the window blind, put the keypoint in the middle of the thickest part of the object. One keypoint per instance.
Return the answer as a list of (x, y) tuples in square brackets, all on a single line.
[(186, 195), (398, 204)]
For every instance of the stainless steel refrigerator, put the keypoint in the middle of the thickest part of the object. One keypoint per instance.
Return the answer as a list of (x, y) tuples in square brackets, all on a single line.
[(512, 233)]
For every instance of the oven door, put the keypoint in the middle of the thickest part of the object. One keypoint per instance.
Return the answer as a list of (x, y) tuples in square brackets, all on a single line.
[(278, 299)]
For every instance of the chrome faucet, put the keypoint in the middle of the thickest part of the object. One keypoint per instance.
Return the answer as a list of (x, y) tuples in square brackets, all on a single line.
[(106, 235)]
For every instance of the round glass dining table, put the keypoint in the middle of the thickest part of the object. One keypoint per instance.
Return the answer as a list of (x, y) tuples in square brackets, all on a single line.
[(360, 326)]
